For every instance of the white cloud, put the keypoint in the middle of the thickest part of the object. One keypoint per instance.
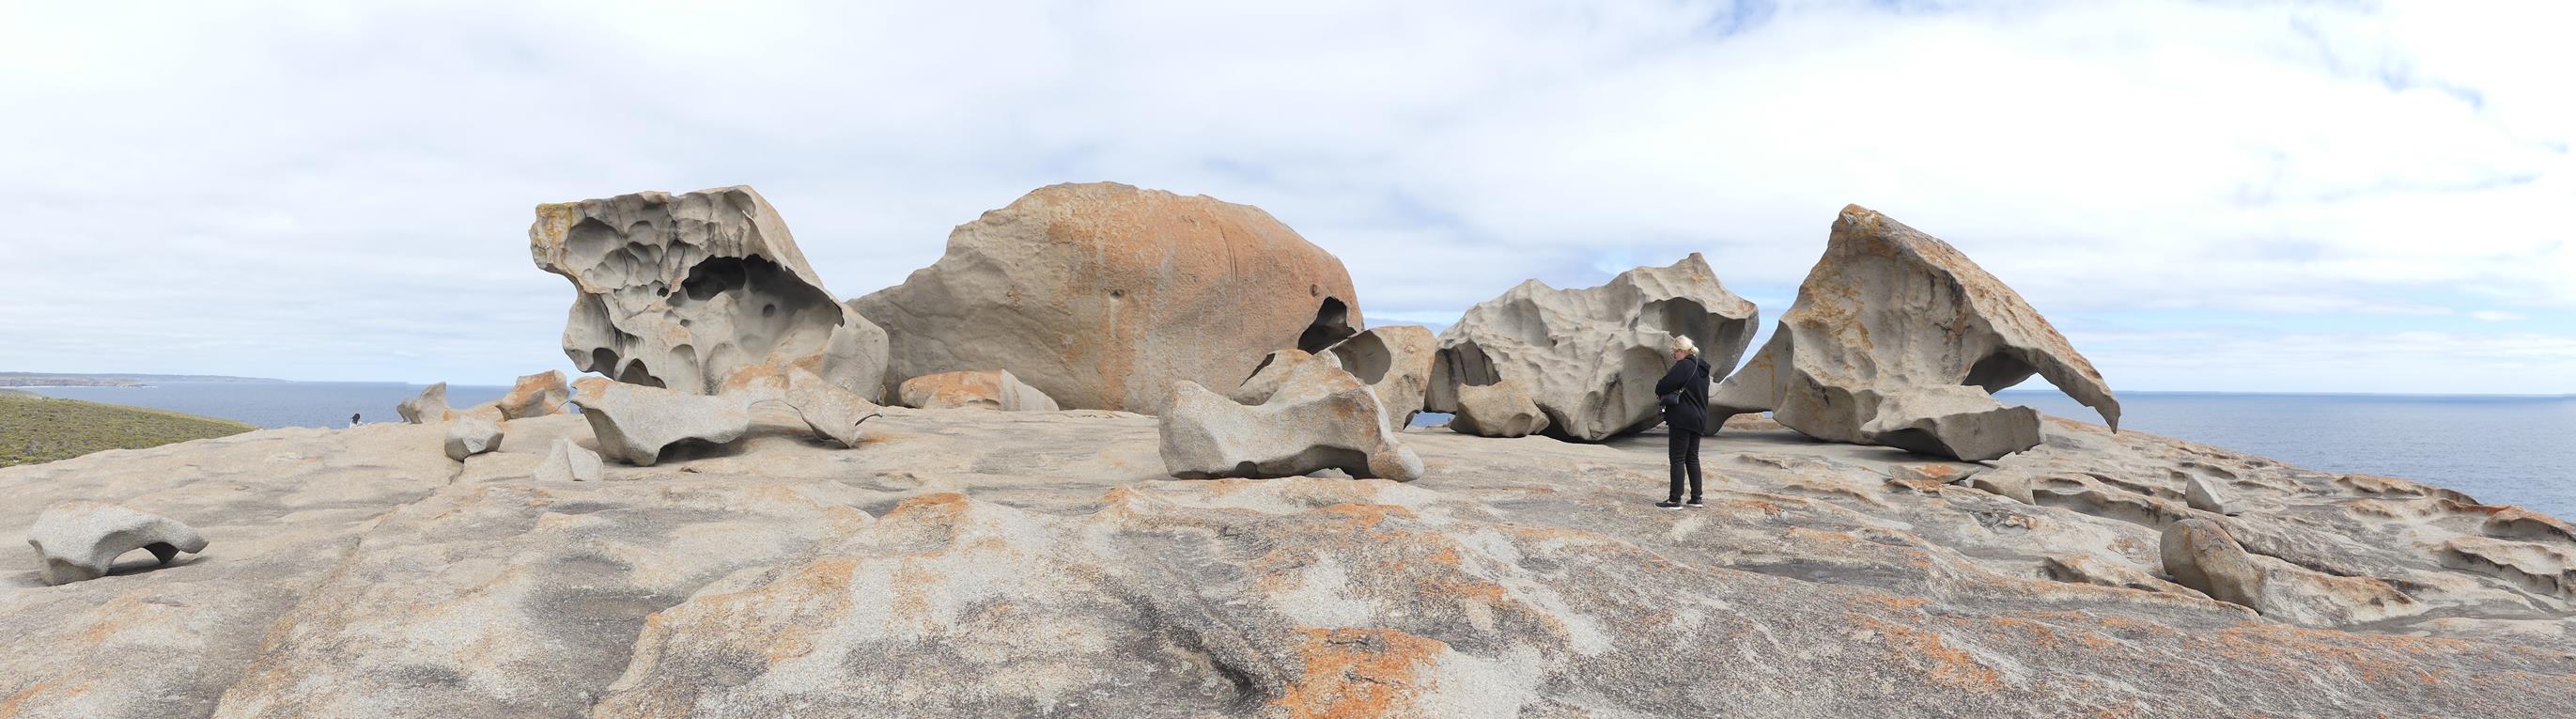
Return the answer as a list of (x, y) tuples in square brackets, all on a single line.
[(340, 190)]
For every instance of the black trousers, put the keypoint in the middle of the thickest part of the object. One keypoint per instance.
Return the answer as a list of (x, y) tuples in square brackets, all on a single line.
[(1685, 446)]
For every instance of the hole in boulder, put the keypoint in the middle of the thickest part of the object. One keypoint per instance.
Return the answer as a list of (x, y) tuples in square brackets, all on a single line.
[(1332, 324), (1998, 371), (1365, 356)]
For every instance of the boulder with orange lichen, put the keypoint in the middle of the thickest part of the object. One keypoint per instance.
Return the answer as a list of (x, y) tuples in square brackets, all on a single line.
[(1103, 295)]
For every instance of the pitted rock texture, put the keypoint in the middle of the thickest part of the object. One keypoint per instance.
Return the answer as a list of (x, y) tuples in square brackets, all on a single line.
[(985, 389), (535, 395), (472, 435), (1887, 322), (1502, 409), (635, 423), (360, 573), (1395, 361), (430, 406), (1103, 295), (682, 291), (1590, 357), (80, 540), (1315, 417)]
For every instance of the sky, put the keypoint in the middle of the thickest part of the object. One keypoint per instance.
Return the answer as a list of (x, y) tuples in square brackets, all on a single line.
[(2203, 196)]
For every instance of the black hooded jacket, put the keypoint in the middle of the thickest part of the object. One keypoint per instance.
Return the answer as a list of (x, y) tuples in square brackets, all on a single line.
[(1689, 377)]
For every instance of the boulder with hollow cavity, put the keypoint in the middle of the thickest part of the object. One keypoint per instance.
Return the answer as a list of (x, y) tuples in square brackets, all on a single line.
[(1103, 296), (1884, 326), (471, 435), (1395, 361), (1501, 409), (535, 395), (974, 389), (1590, 357), (2202, 555), (429, 406), (634, 422), (683, 291), (78, 540), (1318, 418), (568, 462)]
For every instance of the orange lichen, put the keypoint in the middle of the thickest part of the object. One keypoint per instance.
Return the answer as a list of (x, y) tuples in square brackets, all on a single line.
[(1943, 664), (1353, 673)]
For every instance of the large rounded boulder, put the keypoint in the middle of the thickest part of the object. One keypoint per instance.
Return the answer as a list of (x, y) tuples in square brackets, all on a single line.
[(1103, 296)]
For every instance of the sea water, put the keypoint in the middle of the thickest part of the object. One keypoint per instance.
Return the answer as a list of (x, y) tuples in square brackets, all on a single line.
[(2506, 450), (276, 404)]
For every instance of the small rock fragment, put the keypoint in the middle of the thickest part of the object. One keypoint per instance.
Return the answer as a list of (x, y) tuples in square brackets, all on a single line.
[(2203, 494), (1501, 409), (568, 462), (1320, 418), (634, 423), (984, 389), (535, 395), (430, 406), (79, 540), (471, 435)]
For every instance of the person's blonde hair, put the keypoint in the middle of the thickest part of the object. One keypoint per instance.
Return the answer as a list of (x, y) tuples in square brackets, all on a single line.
[(1685, 344)]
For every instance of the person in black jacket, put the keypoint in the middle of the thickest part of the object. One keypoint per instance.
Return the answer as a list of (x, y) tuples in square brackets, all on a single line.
[(1684, 394)]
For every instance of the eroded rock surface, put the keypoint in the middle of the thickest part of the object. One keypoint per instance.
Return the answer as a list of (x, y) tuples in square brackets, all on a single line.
[(1590, 357), (634, 423), (2200, 554), (429, 406), (1315, 417), (682, 291), (78, 541), (360, 573), (985, 389), (1103, 295), (1888, 323)]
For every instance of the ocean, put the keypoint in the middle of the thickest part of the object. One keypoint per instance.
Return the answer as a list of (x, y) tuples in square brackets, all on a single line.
[(2503, 450), (276, 404)]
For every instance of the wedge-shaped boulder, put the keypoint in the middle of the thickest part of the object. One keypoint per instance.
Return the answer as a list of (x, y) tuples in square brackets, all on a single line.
[(634, 423), (983, 389), (1590, 357), (1276, 370), (535, 395), (79, 540), (1319, 418), (429, 406), (1950, 421), (683, 291), (568, 462), (1889, 313), (1501, 409), (1395, 361), (2200, 554), (2205, 494), (471, 435), (1103, 295)]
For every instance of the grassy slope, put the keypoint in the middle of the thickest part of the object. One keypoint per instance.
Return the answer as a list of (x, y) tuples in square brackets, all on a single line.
[(35, 428)]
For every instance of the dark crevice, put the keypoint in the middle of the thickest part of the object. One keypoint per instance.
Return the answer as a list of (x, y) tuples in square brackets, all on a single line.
[(1332, 324)]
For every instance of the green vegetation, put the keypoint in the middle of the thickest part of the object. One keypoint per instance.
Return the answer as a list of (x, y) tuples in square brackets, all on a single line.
[(35, 428)]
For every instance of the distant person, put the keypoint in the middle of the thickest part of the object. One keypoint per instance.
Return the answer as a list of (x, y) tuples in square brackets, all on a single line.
[(1684, 394), (353, 419)]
